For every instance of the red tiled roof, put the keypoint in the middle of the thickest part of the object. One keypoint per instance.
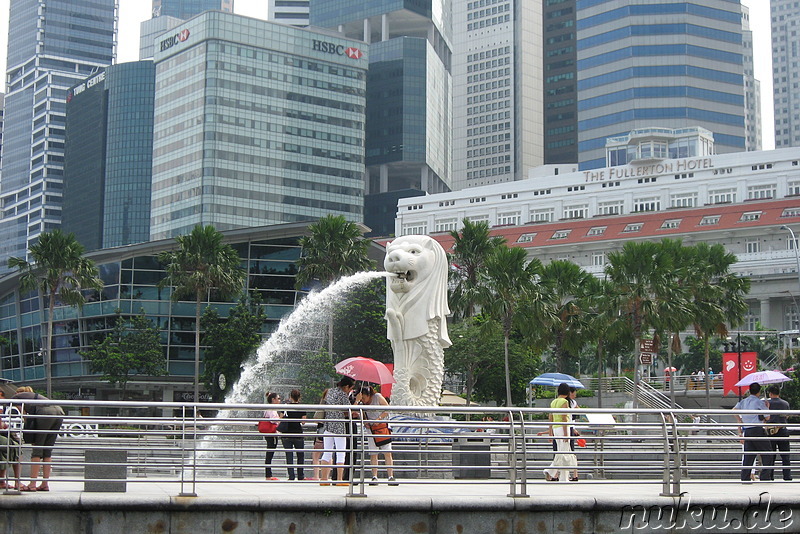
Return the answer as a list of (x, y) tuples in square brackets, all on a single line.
[(730, 218)]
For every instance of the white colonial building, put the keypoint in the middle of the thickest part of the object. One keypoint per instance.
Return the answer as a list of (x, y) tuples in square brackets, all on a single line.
[(746, 201)]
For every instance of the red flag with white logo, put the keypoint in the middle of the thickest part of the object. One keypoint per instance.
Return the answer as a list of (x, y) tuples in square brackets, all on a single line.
[(733, 370)]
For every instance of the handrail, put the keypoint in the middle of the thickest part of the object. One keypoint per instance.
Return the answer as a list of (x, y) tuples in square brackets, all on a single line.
[(432, 445)]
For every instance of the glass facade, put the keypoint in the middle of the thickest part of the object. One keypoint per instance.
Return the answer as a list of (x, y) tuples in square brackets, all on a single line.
[(250, 130), (785, 15), (52, 45), (185, 9), (694, 56), (130, 279), (108, 159)]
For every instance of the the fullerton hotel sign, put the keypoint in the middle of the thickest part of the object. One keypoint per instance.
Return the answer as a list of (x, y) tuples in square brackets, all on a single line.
[(651, 169)]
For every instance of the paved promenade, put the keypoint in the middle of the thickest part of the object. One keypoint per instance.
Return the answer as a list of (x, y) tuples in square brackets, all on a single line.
[(256, 506)]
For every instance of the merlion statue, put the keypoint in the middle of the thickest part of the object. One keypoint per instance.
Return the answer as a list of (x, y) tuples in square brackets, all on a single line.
[(416, 310)]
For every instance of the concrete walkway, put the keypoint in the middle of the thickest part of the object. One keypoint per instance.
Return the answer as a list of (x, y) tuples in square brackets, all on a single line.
[(257, 506)]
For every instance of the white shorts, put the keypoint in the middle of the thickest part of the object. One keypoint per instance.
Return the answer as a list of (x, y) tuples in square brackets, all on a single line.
[(373, 447), (331, 441)]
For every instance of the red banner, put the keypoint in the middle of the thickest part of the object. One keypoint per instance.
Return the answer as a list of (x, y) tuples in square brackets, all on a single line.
[(733, 370)]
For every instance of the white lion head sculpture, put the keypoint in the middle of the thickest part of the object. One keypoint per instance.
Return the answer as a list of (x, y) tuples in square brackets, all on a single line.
[(418, 292)]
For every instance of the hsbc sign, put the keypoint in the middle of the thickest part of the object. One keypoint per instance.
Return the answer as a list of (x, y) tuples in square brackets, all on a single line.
[(336, 49), (179, 37)]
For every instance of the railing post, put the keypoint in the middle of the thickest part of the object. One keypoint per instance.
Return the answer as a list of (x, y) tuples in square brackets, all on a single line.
[(361, 434), (512, 450), (183, 492), (671, 457)]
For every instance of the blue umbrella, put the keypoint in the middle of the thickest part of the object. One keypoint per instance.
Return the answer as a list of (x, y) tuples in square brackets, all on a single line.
[(554, 379)]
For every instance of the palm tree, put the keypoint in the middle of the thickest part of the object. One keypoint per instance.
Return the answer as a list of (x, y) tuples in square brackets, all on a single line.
[(565, 287), (59, 271), (509, 284), (201, 263), (334, 248), (641, 276), (471, 246), (717, 296)]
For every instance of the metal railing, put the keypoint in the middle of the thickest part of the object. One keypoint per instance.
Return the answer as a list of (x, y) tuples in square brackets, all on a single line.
[(442, 445)]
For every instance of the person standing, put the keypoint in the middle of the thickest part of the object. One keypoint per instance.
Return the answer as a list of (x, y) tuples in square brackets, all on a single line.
[(752, 433), (573, 405), (46, 421), (334, 436), (9, 444), (375, 417), (780, 439), (564, 459), (292, 439), (271, 438)]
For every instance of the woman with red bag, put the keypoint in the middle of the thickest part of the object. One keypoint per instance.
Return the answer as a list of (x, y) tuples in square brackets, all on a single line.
[(271, 438), (380, 440)]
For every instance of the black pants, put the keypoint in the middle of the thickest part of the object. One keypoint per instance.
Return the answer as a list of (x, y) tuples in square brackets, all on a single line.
[(782, 446), (753, 446), (272, 444), (290, 444)]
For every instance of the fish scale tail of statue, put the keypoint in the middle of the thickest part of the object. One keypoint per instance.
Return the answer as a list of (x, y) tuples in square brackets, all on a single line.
[(416, 318)]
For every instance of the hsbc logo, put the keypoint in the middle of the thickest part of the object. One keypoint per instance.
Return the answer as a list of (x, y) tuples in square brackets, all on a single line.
[(179, 37), (336, 49)]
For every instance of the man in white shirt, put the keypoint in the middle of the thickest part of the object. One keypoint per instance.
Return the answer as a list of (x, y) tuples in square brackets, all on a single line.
[(752, 431)]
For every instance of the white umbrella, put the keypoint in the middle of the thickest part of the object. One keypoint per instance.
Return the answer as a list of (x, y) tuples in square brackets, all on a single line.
[(763, 377)]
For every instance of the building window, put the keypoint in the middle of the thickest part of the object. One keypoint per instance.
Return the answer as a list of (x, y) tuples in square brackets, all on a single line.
[(750, 216), (512, 218), (751, 319), (446, 225), (633, 227), (791, 212), (646, 204), (576, 212), (790, 318), (671, 224), (597, 230), (793, 188), (545, 215), (722, 196), (415, 229), (755, 192), (709, 220), (525, 238), (609, 208), (478, 218), (683, 200), (753, 246), (598, 259), (561, 234)]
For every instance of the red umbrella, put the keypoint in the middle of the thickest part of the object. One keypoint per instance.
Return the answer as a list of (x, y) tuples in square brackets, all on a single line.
[(366, 370)]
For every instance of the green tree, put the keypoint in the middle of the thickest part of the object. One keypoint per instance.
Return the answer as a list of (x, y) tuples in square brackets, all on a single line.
[(471, 246), (133, 347), (315, 374), (59, 271), (717, 296), (201, 263), (334, 248), (641, 278), (359, 326), (565, 288), (510, 284), (693, 359), (470, 353), (230, 342), (491, 381)]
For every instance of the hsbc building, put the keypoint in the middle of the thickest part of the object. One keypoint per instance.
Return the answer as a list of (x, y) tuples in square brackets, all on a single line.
[(256, 123)]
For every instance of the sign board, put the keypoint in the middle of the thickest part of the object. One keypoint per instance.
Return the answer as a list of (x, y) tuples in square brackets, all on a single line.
[(646, 358)]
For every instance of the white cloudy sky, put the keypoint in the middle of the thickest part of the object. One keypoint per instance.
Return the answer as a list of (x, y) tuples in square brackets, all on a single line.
[(132, 12)]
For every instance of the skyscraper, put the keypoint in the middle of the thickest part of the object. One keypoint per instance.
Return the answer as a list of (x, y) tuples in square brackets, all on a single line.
[(294, 12), (52, 45), (786, 71), (184, 9), (409, 91), (109, 156), (256, 123), (687, 67), (560, 40), (497, 91)]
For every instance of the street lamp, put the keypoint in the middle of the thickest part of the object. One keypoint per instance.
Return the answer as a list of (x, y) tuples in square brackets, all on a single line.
[(796, 257)]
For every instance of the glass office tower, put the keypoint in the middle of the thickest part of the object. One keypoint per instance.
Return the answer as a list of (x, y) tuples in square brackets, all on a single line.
[(256, 123), (184, 9), (109, 156), (686, 59), (785, 15), (52, 45)]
